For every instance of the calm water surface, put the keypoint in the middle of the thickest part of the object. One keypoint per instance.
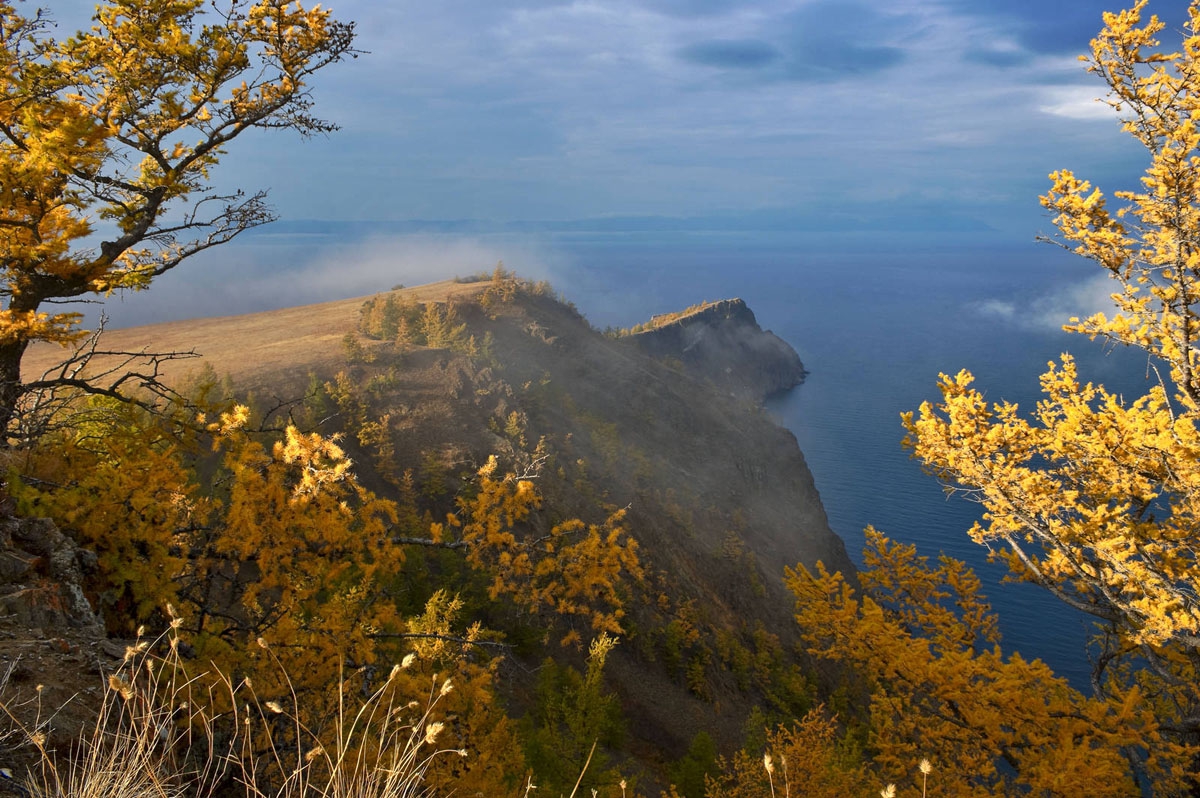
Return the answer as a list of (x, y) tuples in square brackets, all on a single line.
[(875, 321)]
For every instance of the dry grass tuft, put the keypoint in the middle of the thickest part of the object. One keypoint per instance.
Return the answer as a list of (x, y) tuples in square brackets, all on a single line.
[(158, 735)]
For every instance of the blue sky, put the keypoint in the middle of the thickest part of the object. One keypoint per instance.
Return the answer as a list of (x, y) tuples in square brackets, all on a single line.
[(903, 110), (900, 111), (927, 115)]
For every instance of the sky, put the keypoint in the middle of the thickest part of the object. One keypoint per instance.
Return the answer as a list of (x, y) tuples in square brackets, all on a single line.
[(906, 113), (925, 116), (901, 112)]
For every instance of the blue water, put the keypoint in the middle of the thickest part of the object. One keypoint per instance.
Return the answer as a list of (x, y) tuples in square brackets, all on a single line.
[(874, 317), (875, 320)]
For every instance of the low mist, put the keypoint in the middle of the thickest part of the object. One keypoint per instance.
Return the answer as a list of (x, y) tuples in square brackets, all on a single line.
[(1050, 311), (265, 271)]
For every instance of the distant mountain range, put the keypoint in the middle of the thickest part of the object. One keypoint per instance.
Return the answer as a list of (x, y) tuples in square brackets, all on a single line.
[(862, 220)]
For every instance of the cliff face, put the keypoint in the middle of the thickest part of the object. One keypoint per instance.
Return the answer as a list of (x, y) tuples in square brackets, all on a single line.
[(719, 497), (655, 433), (722, 342)]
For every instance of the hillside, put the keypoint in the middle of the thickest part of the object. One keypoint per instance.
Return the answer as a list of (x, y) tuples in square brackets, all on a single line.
[(665, 423)]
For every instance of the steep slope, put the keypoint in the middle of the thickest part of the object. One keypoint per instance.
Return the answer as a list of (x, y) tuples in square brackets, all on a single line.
[(723, 342), (664, 424)]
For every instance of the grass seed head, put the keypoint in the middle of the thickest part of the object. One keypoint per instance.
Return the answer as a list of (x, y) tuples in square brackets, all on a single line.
[(118, 684)]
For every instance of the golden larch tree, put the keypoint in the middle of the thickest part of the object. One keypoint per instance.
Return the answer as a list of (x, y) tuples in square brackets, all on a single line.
[(108, 139), (1096, 496)]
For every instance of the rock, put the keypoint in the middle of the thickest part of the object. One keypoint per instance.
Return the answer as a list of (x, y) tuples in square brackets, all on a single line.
[(722, 342), (41, 576), (35, 535)]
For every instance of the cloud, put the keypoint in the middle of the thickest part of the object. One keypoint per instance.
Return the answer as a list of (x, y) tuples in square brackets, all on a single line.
[(1079, 300), (1075, 102), (997, 308), (1051, 311), (824, 42), (1060, 28), (831, 39), (731, 53), (829, 61), (1002, 53)]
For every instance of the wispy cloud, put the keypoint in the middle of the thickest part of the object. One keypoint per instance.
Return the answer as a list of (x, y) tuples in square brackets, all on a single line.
[(1000, 52), (1051, 311), (1079, 300), (997, 308), (1076, 102)]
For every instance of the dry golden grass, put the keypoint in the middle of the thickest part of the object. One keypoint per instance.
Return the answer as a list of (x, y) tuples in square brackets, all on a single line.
[(157, 736), (276, 348)]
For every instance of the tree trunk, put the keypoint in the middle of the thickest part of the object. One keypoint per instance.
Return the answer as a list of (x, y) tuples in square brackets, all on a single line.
[(11, 353), (12, 350)]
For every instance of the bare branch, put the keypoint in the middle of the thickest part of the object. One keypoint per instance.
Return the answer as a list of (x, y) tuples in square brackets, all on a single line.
[(44, 402)]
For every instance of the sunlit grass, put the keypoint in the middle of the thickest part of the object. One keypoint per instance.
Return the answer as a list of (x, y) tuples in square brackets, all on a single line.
[(158, 734)]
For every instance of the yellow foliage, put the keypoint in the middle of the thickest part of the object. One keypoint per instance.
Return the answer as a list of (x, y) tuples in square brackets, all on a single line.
[(105, 133), (281, 562), (805, 759), (125, 495), (288, 548), (919, 647), (576, 569), (1094, 496)]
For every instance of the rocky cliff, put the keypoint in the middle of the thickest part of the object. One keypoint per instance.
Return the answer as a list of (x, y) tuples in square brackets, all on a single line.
[(42, 575), (722, 342)]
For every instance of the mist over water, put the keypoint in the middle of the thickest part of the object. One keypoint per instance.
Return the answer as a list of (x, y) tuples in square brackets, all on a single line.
[(875, 318)]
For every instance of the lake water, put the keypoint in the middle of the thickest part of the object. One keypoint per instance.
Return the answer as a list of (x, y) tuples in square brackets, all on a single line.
[(874, 318)]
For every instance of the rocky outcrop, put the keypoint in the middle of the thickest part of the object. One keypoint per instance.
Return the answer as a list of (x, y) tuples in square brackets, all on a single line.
[(41, 576), (722, 342)]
